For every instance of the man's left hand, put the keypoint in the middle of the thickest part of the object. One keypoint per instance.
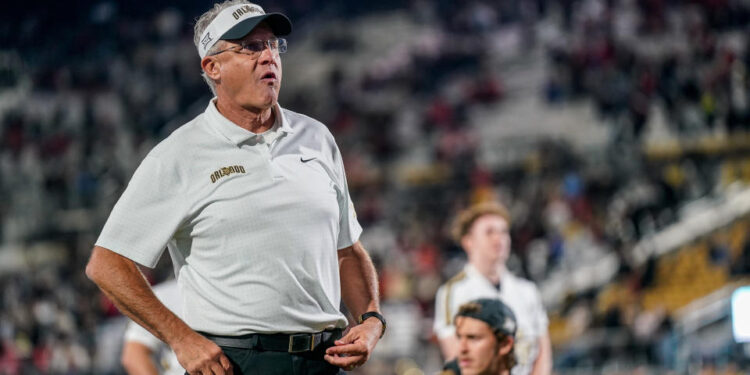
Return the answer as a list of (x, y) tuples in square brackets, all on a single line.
[(354, 349)]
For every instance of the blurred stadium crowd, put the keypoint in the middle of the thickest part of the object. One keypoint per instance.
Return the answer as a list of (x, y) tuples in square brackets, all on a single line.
[(87, 89)]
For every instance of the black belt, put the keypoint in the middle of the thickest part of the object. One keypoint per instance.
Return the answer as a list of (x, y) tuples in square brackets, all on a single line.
[(278, 342)]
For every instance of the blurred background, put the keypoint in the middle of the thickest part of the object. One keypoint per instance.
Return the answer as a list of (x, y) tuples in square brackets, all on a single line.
[(616, 131)]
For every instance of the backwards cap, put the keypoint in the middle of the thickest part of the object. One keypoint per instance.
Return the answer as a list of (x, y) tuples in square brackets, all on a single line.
[(493, 312)]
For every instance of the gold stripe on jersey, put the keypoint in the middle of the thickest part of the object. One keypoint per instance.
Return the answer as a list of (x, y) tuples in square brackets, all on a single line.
[(448, 288)]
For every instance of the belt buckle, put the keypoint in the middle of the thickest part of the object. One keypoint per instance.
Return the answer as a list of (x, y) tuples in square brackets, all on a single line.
[(301, 342)]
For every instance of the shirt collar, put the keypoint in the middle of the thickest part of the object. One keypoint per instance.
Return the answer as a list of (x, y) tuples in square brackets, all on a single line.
[(473, 272), (238, 135)]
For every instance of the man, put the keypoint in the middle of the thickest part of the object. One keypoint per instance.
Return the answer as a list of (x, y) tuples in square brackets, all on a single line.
[(485, 331), (252, 203), (141, 348), (483, 232)]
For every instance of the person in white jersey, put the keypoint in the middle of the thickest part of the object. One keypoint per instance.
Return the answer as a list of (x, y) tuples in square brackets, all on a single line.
[(252, 203), (142, 352), (483, 231)]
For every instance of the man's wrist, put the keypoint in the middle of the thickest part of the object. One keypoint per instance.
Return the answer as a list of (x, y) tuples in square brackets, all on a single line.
[(374, 315), (179, 333)]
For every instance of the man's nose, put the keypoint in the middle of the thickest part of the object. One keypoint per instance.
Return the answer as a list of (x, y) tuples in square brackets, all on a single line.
[(462, 346), (500, 235), (267, 55)]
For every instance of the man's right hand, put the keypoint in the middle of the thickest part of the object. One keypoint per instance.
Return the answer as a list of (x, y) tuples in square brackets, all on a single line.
[(200, 356), (121, 280)]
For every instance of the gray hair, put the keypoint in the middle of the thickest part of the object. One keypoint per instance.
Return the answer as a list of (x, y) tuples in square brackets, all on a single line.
[(200, 26)]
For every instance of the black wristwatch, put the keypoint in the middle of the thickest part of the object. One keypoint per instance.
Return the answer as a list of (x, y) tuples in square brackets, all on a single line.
[(373, 314)]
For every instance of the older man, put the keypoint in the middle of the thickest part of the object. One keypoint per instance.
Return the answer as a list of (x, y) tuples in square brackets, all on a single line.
[(251, 201), (483, 231)]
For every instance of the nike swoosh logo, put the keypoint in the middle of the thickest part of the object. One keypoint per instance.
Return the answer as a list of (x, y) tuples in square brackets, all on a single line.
[(306, 160)]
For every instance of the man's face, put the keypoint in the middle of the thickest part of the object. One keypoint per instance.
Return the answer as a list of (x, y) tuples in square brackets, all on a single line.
[(478, 349), (251, 82), (488, 240)]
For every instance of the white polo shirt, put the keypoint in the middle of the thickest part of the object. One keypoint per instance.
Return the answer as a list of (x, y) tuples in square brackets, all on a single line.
[(169, 294), (521, 295), (252, 226)]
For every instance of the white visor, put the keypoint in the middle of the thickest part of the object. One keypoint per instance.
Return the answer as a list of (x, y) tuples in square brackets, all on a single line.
[(237, 21)]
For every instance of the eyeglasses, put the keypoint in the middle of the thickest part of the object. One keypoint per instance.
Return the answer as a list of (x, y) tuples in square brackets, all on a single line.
[(254, 48)]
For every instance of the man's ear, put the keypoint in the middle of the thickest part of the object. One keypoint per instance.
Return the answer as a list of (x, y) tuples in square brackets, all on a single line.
[(506, 346), (212, 67), (466, 242)]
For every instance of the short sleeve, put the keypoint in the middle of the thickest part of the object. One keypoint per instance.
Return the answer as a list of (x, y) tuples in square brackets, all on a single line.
[(443, 323), (349, 228), (147, 214)]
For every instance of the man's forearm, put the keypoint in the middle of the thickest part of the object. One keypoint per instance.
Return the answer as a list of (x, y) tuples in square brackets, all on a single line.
[(359, 289), (359, 280), (136, 358), (449, 348), (543, 363), (121, 280)]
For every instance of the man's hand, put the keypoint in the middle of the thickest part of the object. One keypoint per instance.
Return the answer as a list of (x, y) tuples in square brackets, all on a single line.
[(200, 356), (354, 349), (119, 278)]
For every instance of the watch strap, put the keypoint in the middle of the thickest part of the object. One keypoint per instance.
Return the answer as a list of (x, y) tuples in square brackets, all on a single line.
[(373, 314)]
